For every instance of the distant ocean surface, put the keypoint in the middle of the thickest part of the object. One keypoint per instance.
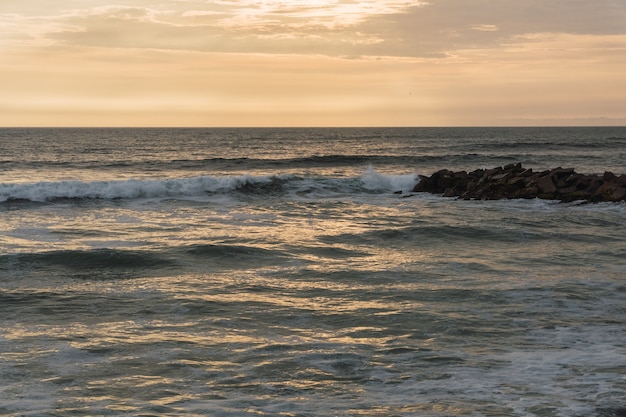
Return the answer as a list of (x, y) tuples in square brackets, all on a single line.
[(292, 272)]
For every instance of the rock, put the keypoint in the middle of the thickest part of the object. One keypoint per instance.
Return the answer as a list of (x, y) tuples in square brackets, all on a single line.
[(526, 172), (619, 194), (513, 181), (575, 196), (514, 167), (493, 171), (609, 191), (546, 185), (608, 176), (420, 187), (567, 190), (559, 172), (527, 192)]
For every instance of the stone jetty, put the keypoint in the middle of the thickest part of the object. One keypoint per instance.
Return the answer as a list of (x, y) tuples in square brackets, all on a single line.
[(514, 181)]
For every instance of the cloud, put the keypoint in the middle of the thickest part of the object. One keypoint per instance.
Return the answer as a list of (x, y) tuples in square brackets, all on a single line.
[(245, 26), (445, 26), (403, 28), (250, 30), (485, 28)]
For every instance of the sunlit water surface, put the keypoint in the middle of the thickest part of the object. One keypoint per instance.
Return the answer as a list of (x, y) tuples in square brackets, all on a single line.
[(277, 272)]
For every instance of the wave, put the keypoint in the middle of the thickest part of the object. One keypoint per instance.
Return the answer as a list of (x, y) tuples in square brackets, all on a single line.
[(219, 163), (434, 236), (127, 260), (222, 251), (87, 261), (370, 181), (126, 189)]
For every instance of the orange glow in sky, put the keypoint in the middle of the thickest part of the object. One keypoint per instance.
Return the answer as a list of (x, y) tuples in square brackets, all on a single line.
[(312, 63)]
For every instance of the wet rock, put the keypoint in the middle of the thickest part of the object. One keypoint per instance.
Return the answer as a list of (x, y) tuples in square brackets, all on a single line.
[(514, 181), (546, 185), (609, 176)]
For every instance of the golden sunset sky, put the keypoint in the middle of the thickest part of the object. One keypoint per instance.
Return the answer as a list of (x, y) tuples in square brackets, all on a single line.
[(312, 62)]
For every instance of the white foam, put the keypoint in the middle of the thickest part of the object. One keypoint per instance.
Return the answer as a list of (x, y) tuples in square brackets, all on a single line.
[(369, 181), (375, 181), (45, 191)]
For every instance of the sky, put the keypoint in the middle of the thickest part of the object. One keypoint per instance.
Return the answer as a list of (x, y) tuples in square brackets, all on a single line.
[(312, 62)]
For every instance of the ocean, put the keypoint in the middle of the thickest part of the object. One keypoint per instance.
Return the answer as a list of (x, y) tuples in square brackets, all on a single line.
[(293, 272)]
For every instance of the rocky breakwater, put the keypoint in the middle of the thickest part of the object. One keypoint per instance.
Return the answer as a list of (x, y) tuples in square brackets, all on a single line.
[(514, 181)]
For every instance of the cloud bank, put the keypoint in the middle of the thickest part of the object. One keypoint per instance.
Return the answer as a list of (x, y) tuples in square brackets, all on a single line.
[(403, 28)]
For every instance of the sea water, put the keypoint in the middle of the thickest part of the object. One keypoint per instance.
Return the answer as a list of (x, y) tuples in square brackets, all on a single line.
[(292, 272)]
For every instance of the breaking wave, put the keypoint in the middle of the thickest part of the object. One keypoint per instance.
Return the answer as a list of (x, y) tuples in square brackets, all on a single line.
[(370, 181)]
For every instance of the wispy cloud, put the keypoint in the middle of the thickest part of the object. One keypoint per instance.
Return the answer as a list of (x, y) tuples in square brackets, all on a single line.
[(242, 27), (410, 28)]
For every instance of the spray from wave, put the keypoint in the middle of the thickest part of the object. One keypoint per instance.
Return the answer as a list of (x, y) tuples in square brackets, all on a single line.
[(373, 180)]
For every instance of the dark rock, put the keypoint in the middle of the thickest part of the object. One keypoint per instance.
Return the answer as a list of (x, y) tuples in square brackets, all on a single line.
[(546, 185), (526, 193), (610, 191), (575, 196), (440, 181), (567, 190), (619, 194), (420, 187), (594, 184), (526, 172), (513, 181), (501, 177), (492, 171), (608, 176), (517, 182), (514, 167), (477, 174), (561, 172)]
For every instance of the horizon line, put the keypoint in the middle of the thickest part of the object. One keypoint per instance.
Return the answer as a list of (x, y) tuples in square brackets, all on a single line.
[(318, 127)]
